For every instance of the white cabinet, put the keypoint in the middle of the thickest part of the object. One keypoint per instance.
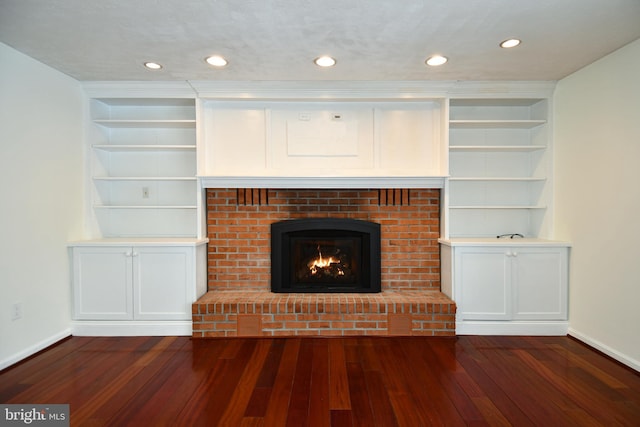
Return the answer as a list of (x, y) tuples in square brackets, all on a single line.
[(483, 283), (540, 283), (500, 167), (514, 287), (143, 167), (163, 283), (102, 283), (143, 262), (136, 282)]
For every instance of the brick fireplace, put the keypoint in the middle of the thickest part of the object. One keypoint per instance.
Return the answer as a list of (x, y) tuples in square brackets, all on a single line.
[(239, 301)]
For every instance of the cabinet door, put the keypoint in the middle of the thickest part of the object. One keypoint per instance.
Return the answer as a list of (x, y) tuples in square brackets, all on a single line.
[(483, 291), (163, 277), (102, 283), (540, 284)]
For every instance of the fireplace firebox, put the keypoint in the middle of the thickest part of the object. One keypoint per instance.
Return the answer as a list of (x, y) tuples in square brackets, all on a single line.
[(325, 255)]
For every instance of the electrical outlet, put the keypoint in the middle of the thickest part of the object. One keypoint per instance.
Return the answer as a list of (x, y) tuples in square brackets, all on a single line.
[(145, 192), (16, 311)]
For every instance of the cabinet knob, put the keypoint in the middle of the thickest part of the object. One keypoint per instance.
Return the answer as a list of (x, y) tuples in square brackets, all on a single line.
[(127, 254), (134, 254)]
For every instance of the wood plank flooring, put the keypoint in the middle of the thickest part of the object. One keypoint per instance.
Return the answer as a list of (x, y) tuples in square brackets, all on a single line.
[(355, 381)]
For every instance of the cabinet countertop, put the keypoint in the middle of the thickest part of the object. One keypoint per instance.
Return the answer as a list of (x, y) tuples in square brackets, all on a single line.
[(505, 241), (136, 241)]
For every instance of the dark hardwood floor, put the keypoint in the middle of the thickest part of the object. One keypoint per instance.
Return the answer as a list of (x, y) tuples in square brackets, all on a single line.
[(359, 381)]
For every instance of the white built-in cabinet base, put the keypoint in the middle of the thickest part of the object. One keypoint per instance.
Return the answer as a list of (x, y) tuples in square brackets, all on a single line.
[(507, 286), (513, 327), (136, 287), (112, 328)]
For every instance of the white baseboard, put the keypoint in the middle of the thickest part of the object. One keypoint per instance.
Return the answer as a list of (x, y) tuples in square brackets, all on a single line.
[(107, 328), (622, 358), (487, 327), (29, 351)]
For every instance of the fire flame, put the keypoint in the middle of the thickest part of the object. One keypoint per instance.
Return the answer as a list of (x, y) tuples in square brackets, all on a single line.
[(320, 262)]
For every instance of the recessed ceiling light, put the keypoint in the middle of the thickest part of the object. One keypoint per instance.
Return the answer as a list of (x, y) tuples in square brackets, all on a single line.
[(510, 43), (325, 61), (216, 61), (436, 60), (153, 65)]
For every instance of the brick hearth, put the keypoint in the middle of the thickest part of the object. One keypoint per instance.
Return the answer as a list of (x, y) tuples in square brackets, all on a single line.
[(256, 313), (239, 301)]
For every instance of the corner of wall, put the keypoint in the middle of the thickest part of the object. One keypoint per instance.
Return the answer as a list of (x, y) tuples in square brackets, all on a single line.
[(41, 166)]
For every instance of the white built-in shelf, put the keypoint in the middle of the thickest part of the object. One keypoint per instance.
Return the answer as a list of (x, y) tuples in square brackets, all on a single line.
[(496, 148), (499, 207), (498, 179), (492, 124), (499, 166), (145, 178), (143, 167), (161, 124), (144, 207), (142, 147)]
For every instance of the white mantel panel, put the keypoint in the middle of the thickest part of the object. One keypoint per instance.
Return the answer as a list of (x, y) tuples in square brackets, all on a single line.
[(323, 138), (408, 136), (320, 136), (235, 138)]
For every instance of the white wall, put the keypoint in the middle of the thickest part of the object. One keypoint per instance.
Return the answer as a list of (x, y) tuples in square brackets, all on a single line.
[(597, 199), (41, 196)]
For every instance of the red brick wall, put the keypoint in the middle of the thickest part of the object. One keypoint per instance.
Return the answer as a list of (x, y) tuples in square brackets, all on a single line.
[(238, 227)]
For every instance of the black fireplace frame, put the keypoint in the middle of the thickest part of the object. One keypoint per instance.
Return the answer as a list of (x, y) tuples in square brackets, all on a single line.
[(283, 232)]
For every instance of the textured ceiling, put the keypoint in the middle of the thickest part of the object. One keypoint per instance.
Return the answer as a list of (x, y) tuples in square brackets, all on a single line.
[(278, 39)]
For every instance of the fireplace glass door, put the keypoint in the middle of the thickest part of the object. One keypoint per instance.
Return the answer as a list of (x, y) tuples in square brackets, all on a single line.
[(326, 260), (325, 255)]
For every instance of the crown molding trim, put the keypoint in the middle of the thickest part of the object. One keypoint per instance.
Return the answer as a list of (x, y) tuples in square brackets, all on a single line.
[(364, 90), (138, 89), (318, 90)]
